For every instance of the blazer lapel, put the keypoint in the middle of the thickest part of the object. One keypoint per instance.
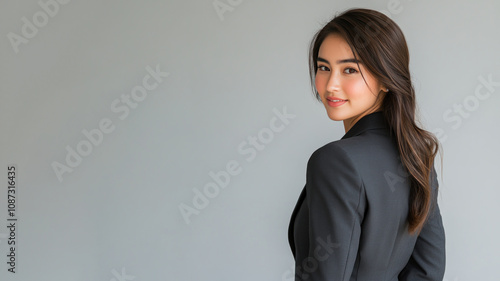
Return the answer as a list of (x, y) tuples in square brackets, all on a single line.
[(292, 220)]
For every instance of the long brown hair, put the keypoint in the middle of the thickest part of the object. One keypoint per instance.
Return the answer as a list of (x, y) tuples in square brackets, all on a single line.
[(380, 44)]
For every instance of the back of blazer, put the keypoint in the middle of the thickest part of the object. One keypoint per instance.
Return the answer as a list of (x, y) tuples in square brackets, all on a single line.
[(350, 221)]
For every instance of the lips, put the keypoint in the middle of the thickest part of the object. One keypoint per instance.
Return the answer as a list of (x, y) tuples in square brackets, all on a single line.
[(334, 101)]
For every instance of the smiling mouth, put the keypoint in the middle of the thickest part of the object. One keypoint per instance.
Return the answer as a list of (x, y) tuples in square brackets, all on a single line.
[(335, 102), (335, 99)]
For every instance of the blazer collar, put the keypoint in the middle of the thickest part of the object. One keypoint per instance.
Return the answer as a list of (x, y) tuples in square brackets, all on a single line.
[(375, 120)]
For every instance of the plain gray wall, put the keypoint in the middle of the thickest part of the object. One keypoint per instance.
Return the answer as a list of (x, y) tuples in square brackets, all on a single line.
[(117, 213)]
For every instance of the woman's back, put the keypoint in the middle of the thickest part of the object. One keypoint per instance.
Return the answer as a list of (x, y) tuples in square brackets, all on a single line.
[(355, 204)]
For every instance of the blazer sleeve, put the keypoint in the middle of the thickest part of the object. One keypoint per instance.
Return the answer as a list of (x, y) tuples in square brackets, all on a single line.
[(428, 259), (335, 197)]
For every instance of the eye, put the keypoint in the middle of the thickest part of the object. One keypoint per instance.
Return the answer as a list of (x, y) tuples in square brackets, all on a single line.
[(350, 70), (322, 68)]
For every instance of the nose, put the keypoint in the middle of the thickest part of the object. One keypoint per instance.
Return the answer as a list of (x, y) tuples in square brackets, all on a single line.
[(333, 84)]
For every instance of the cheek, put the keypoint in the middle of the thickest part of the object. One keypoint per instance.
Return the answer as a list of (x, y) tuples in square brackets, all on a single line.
[(320, 83), (355, 88)]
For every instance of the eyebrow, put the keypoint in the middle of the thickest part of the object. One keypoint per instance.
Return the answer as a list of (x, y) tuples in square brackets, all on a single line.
[(350, 60)]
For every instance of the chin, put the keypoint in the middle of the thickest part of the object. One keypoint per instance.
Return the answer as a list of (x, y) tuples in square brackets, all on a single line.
[(337, 114), (336, 117)]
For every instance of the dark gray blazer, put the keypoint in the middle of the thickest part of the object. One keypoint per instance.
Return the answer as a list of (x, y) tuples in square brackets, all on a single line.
[(350, 222)]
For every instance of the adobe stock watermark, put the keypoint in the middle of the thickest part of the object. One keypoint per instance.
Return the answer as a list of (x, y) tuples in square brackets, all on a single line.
[(371, 29), (123, 276), (223, 6), (248, 148), (29, 29), (393, 178), (310, 264), (394, 7), (463, 110), (121, 107)]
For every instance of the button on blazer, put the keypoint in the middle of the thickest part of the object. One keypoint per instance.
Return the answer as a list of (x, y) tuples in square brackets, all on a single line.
[(350, 221)]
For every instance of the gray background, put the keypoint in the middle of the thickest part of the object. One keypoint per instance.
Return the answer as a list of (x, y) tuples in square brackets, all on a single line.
[(118, 212)]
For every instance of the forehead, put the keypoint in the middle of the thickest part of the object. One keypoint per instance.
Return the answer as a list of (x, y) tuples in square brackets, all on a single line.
[(334, 46)]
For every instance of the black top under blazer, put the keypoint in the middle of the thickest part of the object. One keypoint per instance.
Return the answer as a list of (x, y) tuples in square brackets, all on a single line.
[(350, 221)]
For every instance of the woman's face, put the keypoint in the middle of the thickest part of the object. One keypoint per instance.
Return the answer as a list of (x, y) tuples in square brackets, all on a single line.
[(343, 91)]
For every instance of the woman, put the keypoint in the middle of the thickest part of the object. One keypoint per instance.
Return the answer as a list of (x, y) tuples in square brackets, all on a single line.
[(369, 209)]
